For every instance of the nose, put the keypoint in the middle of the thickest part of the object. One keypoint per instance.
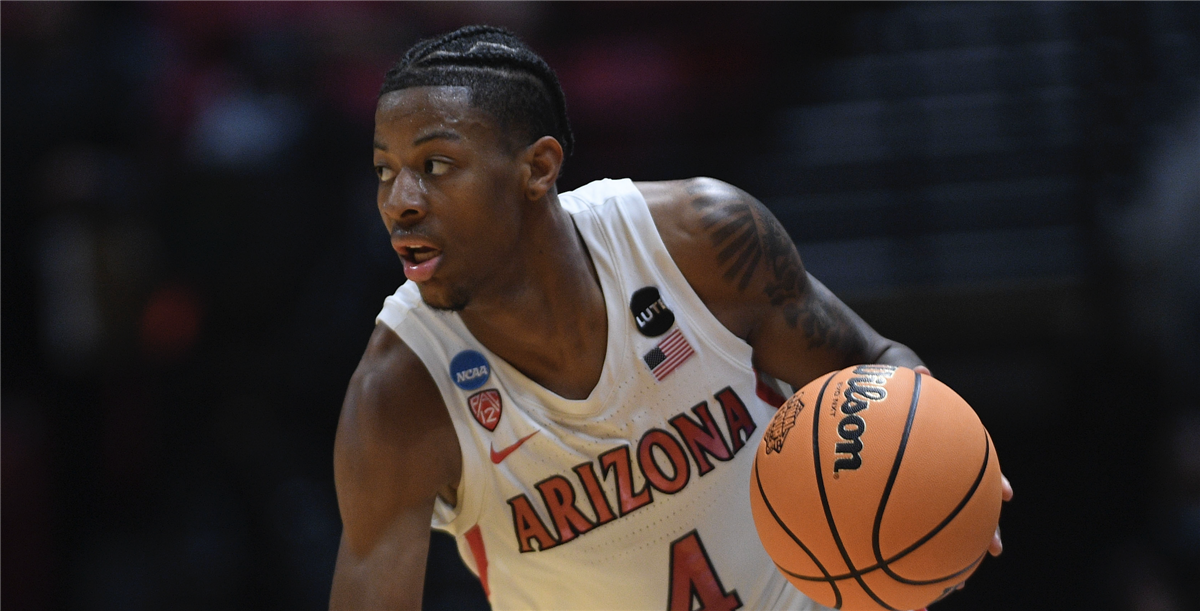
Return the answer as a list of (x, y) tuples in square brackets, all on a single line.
[(403, 201)]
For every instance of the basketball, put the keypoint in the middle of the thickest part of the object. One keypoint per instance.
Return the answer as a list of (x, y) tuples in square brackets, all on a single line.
[(876, 487)]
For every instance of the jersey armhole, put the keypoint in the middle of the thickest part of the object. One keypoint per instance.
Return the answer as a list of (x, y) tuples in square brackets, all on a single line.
[(455, 519)]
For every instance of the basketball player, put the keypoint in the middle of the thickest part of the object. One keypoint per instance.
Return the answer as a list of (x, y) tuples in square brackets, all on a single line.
[(571, 384)]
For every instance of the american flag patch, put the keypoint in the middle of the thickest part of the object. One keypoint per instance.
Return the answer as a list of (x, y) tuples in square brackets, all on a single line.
[(668, 355)]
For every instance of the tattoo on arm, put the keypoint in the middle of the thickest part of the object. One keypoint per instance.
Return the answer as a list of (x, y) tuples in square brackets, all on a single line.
[(750, 239)]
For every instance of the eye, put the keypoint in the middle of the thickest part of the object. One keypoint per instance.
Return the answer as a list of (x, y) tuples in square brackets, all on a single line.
[(384, 173), (435, 167)]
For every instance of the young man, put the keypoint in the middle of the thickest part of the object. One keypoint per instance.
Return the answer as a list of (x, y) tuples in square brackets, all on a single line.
[(573, 385)]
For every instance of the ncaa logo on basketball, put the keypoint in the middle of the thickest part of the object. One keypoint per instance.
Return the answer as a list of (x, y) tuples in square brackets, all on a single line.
[(469, 370), (486, 407), (783, 422)]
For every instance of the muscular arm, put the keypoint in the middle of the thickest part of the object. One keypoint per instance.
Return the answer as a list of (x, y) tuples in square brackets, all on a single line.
[(745, 268), (395, 452)]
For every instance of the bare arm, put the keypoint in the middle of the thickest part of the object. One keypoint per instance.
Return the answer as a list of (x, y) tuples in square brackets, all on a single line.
[(745, 268), (395, 452)]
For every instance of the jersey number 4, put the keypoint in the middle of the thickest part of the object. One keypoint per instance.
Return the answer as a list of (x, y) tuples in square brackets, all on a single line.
[(693, 579)]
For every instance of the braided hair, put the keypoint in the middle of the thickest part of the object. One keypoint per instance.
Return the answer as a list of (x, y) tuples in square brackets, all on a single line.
[(506, 79)]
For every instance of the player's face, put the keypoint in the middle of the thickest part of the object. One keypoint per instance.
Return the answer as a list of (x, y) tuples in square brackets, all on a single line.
[(450, 191)]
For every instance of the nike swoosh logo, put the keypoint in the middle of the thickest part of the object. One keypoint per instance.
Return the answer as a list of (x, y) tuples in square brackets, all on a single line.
[(498, 457)]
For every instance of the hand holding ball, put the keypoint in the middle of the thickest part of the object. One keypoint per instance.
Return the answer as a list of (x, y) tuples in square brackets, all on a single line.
[(876, 487)]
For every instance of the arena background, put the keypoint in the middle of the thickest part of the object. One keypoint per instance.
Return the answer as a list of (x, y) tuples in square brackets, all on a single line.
[(192, 261)]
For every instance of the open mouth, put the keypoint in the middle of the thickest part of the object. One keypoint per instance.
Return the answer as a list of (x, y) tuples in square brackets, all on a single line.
[(418, 254), (420, 262)]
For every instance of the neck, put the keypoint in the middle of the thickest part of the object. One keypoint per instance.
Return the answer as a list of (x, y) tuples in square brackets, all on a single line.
[(547, 316)]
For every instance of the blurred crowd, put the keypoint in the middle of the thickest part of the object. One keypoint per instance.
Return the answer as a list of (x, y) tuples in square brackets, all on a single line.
[(192, 261)]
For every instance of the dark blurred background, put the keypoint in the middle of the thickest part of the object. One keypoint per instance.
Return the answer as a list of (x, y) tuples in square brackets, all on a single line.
[(192, 261)]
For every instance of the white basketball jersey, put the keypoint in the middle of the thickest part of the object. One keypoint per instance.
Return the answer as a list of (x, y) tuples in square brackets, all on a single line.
[(636, 497)]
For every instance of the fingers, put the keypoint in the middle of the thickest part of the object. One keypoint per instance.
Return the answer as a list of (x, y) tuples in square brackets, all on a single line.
[(1006, 493), (996, 547), (922, 370)]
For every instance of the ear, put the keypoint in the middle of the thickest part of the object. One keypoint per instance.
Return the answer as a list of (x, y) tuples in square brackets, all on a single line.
[(543, 159)]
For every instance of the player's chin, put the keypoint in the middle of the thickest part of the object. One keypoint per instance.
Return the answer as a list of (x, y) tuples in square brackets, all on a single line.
[(445, 298)]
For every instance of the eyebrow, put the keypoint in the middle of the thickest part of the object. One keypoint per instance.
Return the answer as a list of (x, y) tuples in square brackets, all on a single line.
[(442, 135), (438, 135)]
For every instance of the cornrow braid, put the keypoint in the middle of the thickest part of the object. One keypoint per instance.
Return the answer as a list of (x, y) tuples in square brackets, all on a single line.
[(506, 79)]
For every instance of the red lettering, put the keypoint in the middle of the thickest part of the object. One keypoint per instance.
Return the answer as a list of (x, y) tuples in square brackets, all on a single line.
[(658, 438), (737, 419), (618, 459), (560, 500), (528, 525), (693, 577), (703, 438), (595, 493)]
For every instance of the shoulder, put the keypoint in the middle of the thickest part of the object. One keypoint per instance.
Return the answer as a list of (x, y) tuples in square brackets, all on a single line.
[(395, 445), (726, 243), (390, 385), (708, 225), (680, 207)]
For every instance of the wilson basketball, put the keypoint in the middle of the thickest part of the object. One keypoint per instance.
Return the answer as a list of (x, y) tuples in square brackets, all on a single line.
[(876, 487)]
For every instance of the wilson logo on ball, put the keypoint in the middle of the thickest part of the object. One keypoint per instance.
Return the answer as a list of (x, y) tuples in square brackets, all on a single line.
[(866, 387)]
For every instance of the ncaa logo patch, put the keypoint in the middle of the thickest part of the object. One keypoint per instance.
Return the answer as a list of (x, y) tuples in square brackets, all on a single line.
[(469, 370), (486, 407)]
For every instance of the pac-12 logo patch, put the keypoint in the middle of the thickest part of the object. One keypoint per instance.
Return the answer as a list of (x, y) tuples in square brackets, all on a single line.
[(650, 313), (469, 370), (486, 407)]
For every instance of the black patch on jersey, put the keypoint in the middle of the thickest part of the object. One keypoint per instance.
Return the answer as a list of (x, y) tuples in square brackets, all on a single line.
[(650, 313)]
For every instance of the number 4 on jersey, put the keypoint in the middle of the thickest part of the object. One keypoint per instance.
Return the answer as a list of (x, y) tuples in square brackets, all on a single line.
[(693, 578)]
